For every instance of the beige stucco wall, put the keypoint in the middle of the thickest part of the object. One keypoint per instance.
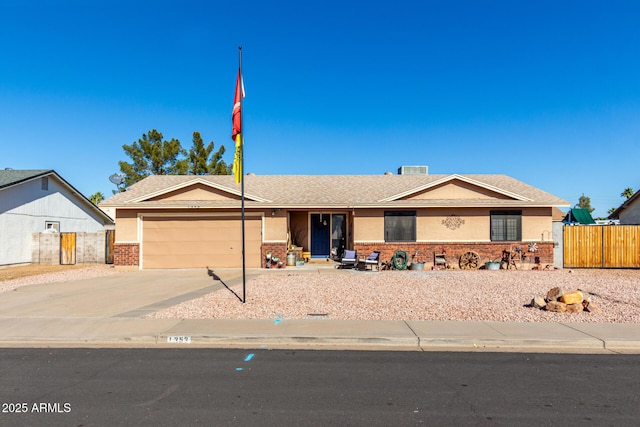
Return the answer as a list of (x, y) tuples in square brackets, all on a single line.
[(433, 225), (457, 190), (537, 224), (196, 192), (453, 225), (275, 227), (368, 226), (126, 226)]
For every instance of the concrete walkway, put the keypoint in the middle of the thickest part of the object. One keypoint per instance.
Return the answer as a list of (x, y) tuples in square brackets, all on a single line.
[(108, 312)]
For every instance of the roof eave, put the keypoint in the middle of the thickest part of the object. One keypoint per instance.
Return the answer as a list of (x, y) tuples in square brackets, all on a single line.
[(450, 178), (196, 180)]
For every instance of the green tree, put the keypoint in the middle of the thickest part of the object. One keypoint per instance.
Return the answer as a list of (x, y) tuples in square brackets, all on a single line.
[(628, 192), (217, 166), (96, 198), (584, 202), (612, 210), (199, 163), (152, 155)]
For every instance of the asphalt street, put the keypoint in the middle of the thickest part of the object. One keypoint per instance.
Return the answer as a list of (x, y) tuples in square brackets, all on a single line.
[(196, 386)]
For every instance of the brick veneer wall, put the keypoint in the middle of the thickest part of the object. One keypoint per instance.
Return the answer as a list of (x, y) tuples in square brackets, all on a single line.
[(486, 250), (126, 254), (277, 249)]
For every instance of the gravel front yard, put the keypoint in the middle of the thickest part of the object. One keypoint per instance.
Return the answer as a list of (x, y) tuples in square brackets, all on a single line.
[(391, 295), (13, 277), (430, 295)]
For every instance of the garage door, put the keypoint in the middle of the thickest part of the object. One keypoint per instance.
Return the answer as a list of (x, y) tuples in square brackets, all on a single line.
[(193, 242)]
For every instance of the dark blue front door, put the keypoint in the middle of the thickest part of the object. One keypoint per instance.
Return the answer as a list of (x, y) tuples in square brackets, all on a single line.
[(320, 235)]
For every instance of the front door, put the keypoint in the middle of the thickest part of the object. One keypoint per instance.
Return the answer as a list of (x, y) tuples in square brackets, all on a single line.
[(328, 234), (320, 235)]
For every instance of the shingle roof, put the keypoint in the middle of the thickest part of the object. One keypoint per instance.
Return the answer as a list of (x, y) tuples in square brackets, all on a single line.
[(10, 177), (333, 191)]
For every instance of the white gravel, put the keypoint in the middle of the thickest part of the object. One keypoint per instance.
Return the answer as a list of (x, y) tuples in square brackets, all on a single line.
[(430, 295), (399, 295), (59, 276)]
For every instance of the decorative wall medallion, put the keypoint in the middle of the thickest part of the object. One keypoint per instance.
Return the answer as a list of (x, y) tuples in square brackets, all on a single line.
[(453, 222)]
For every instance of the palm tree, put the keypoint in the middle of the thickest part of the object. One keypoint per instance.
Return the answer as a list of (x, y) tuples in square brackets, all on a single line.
[(97, 198), (628, 192)]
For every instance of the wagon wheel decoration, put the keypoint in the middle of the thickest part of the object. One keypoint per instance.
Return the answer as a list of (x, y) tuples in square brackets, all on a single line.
[(469, 261)]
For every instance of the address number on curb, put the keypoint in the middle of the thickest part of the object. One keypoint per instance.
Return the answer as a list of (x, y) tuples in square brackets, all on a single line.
[(179, 340)]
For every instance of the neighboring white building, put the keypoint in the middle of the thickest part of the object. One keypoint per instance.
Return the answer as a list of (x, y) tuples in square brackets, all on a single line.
[(33, 201), (629, 212)]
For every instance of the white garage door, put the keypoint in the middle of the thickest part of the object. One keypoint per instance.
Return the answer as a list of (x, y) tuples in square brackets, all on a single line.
[(193, 242)]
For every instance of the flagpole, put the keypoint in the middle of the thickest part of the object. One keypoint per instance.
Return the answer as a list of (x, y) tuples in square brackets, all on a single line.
[(244, 281)]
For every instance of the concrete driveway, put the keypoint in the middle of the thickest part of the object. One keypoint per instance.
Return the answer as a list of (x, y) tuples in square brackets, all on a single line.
[(124, 294)]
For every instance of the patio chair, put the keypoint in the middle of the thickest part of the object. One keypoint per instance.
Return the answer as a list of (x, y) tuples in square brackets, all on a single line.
[(371, 261), (348, 260), (440, 260)]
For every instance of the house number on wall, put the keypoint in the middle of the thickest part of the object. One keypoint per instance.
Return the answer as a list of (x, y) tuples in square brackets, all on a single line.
[(453, 222)]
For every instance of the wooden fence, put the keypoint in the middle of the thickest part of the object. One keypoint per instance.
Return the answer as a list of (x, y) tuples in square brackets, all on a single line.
[(67, 248), (109, 245), (601, 246)]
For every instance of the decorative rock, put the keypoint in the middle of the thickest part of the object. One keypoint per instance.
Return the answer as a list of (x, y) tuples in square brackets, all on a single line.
[(554, 294), (538, 302), (590, 307), (574, 308), (556, 306), (574, 297), (585, 295)]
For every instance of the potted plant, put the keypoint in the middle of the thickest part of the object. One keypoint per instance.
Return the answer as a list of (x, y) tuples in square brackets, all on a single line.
[(492, 264), (417, 262)]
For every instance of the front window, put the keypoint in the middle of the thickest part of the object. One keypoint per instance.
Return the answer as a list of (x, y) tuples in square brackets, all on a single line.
[(506, 226), (400, 226)]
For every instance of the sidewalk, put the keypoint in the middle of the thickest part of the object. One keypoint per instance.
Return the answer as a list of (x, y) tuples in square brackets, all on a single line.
[(108, 312)]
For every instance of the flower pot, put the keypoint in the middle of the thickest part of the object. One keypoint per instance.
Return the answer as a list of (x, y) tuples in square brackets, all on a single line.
[(492, 265), (416, 266)]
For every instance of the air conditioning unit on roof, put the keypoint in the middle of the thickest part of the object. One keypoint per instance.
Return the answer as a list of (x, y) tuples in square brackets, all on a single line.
[(413, 170)]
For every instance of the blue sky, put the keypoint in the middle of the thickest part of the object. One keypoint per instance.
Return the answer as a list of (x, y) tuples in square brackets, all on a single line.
[(547, 92)]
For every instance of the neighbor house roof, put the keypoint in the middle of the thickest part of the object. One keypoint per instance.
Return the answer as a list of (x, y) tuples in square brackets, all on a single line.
[(337, 191), (11, 177), (616, 214)]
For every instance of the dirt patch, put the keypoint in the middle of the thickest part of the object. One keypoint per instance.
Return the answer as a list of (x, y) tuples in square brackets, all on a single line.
[(9, 273)]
